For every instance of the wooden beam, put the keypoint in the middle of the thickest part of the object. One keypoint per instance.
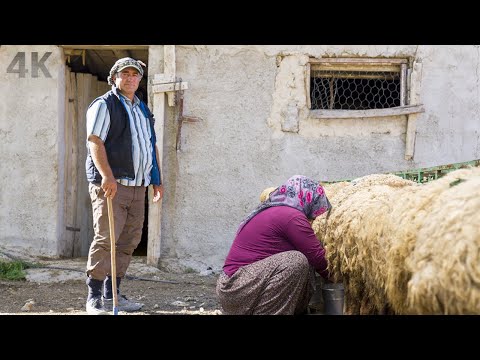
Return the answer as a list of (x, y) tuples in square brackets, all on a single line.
[(356, 67), (369, 76), (307, 86), (121, 53), (155, 209), (106, 47), (164, 83), (403, 85), (410, 136), (357, 64), (170, 70), (415, 90), (351, 114), (169, 87), (368, 61), (73, 52)]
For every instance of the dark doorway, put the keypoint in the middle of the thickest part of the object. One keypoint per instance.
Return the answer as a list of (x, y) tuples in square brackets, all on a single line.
[(141, 249), (97, 60)]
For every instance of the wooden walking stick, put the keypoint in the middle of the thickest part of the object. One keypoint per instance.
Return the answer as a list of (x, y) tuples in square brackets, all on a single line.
[(113, 255)]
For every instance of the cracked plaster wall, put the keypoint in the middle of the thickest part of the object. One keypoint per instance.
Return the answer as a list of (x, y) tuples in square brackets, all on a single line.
[(32, 152), (255, 131)]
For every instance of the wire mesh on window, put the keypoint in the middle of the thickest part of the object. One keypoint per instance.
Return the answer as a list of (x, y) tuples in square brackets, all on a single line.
[(354, 90)]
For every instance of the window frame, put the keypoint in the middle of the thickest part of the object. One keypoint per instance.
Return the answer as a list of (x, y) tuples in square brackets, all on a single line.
[(363, 64)]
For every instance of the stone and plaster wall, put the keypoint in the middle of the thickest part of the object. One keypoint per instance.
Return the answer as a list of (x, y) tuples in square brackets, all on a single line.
[(32, 148), (255, 131)]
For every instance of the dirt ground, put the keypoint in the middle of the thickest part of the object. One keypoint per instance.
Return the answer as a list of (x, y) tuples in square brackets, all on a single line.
[(58, 288)]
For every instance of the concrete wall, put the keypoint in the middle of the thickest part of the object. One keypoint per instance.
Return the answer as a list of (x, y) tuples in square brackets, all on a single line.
[(255, 132), (32, 149), (246, 94), (450, 130)]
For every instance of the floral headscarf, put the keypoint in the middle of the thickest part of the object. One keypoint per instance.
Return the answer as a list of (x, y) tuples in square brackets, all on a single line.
[(299, 192)]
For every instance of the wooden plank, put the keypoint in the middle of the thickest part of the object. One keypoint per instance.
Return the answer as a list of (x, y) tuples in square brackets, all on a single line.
[(80, 167), (84, 208), (171, 98), (356, 67), (374, 61), (106, 47), (333, 93), (347, 75), (351, 114), (70, 166), (155, 209), (93, 89), (403, 83), (74, 161), (121, 53), (170, 87), (159, 79), (100, 88), (307, 86), (415, 90), (162, 83), (87, 220), (410, 136)]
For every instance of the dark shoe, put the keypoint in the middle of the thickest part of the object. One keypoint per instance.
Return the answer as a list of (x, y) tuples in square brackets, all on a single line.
[(95, 307), (123, 304)]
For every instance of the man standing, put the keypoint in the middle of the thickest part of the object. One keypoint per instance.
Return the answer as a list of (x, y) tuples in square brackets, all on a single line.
[(122, 160)]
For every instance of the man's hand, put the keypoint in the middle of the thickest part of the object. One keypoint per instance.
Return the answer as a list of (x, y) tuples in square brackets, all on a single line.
[(109, 186), (157, 192)]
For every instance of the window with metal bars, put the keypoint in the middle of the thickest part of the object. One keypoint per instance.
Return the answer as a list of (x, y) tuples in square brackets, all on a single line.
[(356, 83)]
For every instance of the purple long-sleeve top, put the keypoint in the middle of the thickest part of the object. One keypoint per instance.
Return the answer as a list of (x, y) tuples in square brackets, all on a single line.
[(274, 230)]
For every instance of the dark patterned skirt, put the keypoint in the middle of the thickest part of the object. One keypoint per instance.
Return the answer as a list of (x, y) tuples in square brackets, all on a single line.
[(281, 284)]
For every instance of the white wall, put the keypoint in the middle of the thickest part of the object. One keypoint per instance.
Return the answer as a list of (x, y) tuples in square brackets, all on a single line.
[(243, 95), (31, 144), (450, 130)]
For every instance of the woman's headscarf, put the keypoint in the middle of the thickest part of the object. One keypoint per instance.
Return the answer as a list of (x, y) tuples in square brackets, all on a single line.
[(299, 192)]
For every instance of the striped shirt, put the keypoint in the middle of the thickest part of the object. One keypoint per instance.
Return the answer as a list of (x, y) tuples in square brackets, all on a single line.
[(98, 123)]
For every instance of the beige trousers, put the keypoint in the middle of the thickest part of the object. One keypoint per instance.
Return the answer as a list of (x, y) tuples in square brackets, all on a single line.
[(129, 211)]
